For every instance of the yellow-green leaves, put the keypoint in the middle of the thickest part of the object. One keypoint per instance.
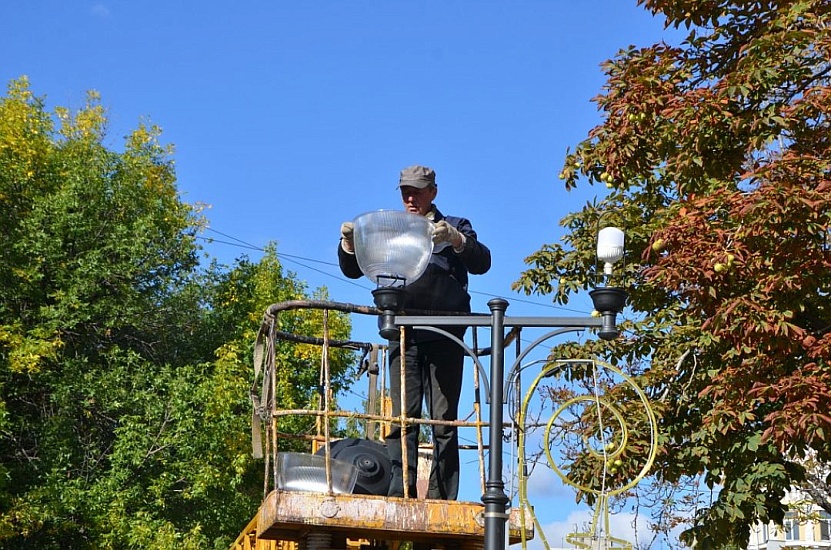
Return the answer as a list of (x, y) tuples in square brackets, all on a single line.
[(29, 352)]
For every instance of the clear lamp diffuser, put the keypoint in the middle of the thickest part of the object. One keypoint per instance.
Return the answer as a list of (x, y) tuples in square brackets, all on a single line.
[(392, 247), (306, 472)]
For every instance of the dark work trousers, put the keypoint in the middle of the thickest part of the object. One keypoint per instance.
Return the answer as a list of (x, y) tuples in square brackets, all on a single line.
[(433, 375)]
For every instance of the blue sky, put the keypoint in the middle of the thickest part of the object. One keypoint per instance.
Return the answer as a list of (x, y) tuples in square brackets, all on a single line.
[(291, 117)]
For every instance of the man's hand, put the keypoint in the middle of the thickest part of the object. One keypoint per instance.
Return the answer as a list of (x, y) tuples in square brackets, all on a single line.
[(443, 232), (347, 231)]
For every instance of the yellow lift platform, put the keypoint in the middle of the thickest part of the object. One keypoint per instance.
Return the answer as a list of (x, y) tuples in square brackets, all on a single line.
[(316, 520)]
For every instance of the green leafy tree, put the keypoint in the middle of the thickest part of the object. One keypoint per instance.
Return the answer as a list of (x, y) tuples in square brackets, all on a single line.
[(124, 366), (246, 292), (716, 158)]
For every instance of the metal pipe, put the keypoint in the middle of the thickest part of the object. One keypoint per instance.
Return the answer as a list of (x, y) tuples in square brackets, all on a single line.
[(495, 499), (480, 321)]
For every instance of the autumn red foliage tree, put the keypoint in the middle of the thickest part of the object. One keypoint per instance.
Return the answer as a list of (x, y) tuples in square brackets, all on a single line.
[(716, 153)]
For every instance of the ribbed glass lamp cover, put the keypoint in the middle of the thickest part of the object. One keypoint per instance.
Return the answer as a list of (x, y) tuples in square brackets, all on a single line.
[(392, 247)]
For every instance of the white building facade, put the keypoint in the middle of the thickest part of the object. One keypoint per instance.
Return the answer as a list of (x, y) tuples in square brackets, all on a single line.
[(806, 526)]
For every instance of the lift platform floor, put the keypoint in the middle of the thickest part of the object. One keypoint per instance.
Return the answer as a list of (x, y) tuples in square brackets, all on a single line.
[(293, 516)]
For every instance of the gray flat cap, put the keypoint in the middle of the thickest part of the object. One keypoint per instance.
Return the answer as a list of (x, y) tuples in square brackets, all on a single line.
[(417, 176)]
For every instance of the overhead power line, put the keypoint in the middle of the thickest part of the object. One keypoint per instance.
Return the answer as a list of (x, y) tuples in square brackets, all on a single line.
[(297, 260)]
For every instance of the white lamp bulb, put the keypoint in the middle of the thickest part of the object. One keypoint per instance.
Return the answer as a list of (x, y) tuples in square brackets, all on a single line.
[(609, 247)]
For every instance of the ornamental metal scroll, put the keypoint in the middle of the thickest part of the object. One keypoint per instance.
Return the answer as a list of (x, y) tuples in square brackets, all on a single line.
[(600, 435)]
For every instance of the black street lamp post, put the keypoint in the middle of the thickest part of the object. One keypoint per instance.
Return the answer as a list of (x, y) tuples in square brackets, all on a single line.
[(608, 301)]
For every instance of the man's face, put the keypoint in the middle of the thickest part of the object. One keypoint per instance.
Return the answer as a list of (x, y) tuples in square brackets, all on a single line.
[(418, 200)]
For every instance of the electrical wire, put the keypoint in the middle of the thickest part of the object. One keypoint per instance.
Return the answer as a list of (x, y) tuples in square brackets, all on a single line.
[(295, 260)]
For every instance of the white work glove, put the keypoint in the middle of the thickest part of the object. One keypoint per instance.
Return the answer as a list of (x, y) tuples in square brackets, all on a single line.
[(347, 231), (443, 232)]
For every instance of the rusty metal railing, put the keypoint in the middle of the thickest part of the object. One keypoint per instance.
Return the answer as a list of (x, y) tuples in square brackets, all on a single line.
[(267, 409)]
